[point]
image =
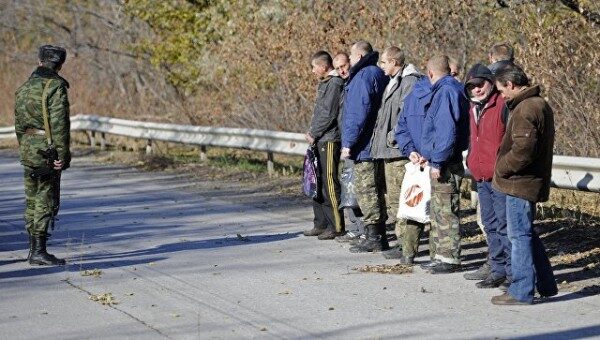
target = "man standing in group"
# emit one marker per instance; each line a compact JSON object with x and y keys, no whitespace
{"x":500,"y":55}
{"x":383,"y":144}
{"x":487,"y":117}
{"x":325,"y":135}
{"x":42,"y":127}
{"x":445,"y":136}
{"x":362,"y":98}
{"x":523,"y":171}
{"x":341,"y":63}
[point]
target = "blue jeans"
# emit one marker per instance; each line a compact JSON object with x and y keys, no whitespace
{"x":529,"y":262}
{"x":493,"y":215}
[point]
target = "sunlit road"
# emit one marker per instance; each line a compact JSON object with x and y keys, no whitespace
{"x":170,"y":255}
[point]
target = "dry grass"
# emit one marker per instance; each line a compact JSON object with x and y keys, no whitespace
{"x":386,"y":269}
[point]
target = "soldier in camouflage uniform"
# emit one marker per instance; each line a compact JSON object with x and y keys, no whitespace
{"x":46,"y":91}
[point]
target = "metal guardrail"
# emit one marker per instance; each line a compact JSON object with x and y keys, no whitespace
{"x":575,"y":173}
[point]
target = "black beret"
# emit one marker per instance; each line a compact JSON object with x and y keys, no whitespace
{"x":52,"y":54}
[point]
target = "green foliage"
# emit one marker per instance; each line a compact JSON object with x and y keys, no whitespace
{"x":183,"y":30}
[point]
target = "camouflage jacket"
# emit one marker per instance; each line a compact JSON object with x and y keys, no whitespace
{"x":28,"y":115}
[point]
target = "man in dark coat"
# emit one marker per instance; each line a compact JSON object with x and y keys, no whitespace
{"x":362,"y":98}
{"x":325,"y":135}
{"x":523,"y":171}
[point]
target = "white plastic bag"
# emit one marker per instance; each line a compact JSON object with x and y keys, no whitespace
{"x":415,"y":194}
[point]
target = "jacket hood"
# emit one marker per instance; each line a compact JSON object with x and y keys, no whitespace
{"x":422,"y":88}
{"x":368,"y":60}
{"x":446,"y":80}
{"x":410,"y":69}
{"x":532,"y":91}
{"x":44,"y":72}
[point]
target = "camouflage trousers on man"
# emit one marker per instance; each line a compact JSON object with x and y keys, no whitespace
{"x":445,"y":206}
{"x":394,"y":175}
{"x":41,"y":203}
{"x":369,"y":185}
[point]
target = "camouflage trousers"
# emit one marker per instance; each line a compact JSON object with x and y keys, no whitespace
{"x":445,"y":206}
{"x":394,"y":174}
{"x":41,"y":203}
{"x":369,"y":184}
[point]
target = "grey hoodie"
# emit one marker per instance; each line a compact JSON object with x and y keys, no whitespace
{"x":383,"y":144}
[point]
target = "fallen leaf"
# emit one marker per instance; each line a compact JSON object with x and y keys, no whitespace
{"x":93,"y":272}
{"x":104,"y":299}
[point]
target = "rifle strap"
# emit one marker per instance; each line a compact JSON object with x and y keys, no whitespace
{"x":45,"y":113}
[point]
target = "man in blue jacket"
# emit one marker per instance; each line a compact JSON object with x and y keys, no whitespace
{"x":408,"y":138}
{"x":445,"y":136}
{"x":362,"y":99}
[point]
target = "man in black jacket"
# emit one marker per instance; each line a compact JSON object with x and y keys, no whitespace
{"x":324,"y":134}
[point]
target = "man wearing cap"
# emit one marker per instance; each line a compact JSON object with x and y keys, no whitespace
{"x":487,"y":116}
{"x":42,"y":128}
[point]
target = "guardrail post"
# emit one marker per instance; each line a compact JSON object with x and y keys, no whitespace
{"x":203,"y":152}
{"x":102,"y":141}
{"x":92,"y":135}
{"x":270,"y":165}
{"x":149,"y":147}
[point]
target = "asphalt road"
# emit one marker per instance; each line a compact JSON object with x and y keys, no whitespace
{"x":169,"y":253}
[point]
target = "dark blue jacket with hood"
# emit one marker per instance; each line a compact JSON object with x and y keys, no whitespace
{"x":362,"y":98}
{"x":446,"y":127}
{"x":412,"y":116}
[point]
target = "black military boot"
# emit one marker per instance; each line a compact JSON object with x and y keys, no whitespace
{"x":31,"y":245}
{"x":374,"y":240}
{"x":39,"y":255}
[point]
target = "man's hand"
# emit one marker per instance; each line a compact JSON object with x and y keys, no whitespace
{"x":309,"y":138}
{"x":414,"y":157}
{"x":435,"y":173}
{"x":58,"y":164}
{"x":345,"y":153}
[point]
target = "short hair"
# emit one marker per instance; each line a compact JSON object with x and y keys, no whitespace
{"x":439,"y":64}
{"x":395,"y":53}
{"x":512,"y":73}
{"x":341,"y":55}
{"x":322,"y":58}
{"x":502,"y":51}
{"x":363,"y":46}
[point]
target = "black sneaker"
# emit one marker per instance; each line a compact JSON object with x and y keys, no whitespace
{"x":490,"y":282}
{"x":444,"y":268}
{"x":349,"y":236}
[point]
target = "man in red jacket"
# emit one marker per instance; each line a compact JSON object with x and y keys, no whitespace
{"x":487,"y":115}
